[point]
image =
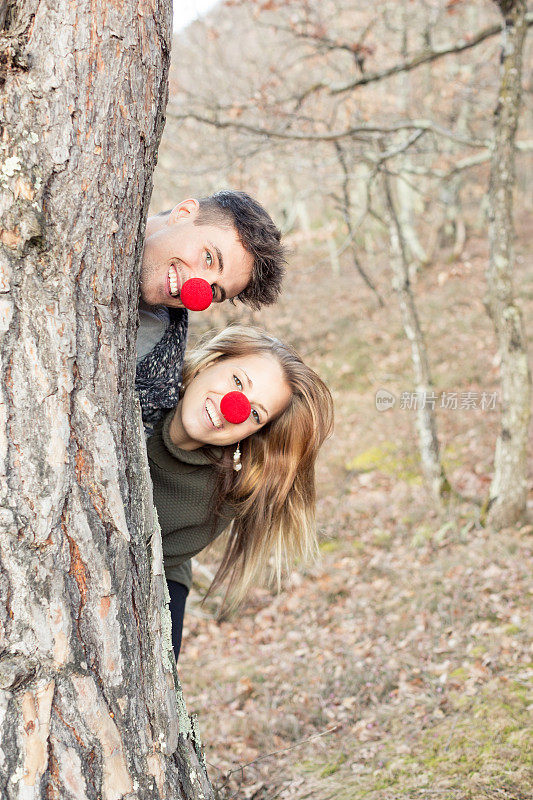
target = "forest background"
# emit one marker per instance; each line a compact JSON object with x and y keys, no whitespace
{"x":400,"y":665}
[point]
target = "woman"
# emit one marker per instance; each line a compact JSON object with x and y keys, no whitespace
{"x":256,"y":475}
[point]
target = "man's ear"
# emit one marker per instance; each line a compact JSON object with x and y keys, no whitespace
{"x":187,"y":209}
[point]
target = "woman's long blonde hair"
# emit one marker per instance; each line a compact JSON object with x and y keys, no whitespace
{"x":273,"y":496}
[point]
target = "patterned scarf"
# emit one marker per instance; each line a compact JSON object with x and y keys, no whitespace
{"x":158,"y":377}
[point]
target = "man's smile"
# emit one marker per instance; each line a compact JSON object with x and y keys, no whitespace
{"x":174,"y":281}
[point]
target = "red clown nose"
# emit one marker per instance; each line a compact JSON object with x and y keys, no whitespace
{"x":196,"y":294}
{"x":235,"y":407}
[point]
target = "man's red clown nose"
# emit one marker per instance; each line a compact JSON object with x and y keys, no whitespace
{"x":235,"y":407}
{"x":196,"y":294}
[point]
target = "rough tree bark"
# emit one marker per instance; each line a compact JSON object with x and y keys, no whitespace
{"x":506,"y":503}
{"x":90,"y":706}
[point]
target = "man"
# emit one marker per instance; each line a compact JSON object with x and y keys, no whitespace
{"x":227,"y":239}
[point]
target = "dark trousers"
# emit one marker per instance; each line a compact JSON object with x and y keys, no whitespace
{"x":178,"y":596}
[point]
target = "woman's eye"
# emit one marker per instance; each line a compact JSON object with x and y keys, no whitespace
{"x":255,"y":415}
{"x":208,"y":258}
{"x":238,"y":383}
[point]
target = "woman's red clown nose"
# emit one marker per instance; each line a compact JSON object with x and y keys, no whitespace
{"x":196,"y":294}
{"x":235,"y":407}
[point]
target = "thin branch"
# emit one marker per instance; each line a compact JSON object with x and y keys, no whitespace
{"x":396,"y":151}
{"x":425,"y":56}
{"x":357,"y":132}
{"x":277,"y":752}
{"x":525,"y":146}
{"x":355,"y":49}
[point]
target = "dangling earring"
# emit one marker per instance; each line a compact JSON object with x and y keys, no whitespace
{"x":237,"y":458}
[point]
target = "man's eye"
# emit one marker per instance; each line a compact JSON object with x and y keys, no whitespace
{"x":255,"y":415}
{"x":208,"y":258}
{"x":238,"y":383}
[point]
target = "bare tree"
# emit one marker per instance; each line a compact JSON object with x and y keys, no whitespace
{"x":508,"y":491}
{"x":426,"y":423}
{"x":90,"y":705}
{"x":318,"y":57}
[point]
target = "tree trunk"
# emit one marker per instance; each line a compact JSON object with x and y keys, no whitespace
{"x":345,"y":208}
{"x":507,"y":499}
{"x":426,"y":423}
{"x":89,"y":698}
{"x":404,"y":191}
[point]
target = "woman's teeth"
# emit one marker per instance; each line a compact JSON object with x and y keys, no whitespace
{"x":213,"y":414}
{"x":173,"y":280}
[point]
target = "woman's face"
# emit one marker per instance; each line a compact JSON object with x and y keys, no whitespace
{"x":198,"y":420}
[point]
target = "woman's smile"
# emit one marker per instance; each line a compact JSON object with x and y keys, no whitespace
{"x":215,"y":419}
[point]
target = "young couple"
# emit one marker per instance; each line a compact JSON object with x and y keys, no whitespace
{"x":213,"y":466}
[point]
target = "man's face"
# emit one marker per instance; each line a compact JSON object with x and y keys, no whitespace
{"x":180,"y":250}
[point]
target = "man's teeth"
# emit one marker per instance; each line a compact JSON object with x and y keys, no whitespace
{"x":173,"y":281}
{"x":213,"y":415}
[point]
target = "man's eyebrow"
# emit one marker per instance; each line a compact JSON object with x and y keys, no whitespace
{"x":219,"y":257}
{"x":251,"y":387}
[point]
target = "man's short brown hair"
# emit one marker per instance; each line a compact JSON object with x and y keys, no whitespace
{"x":258,"y":235}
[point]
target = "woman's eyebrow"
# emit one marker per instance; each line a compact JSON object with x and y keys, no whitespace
{"x":250,"y":383}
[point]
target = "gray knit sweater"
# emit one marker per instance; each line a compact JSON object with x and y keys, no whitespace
{"x":183,"y":482}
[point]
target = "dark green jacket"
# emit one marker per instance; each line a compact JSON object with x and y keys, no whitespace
{"x":183,"y":482}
